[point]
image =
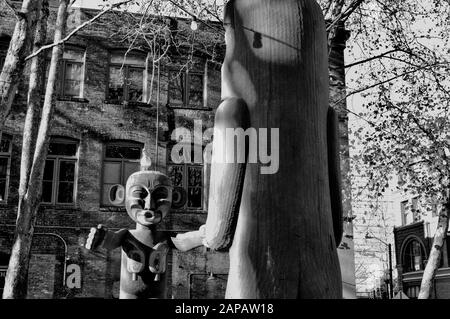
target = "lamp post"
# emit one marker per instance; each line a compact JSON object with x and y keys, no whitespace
{"x":391,"y":284}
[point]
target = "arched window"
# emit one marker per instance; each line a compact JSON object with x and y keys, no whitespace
{"x":121,"y":159}
{"x":413,"y":256}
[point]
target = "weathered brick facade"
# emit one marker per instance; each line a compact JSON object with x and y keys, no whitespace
{"x":61,"y":230}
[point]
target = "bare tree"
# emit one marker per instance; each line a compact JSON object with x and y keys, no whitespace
{"x":18,"y":49}
{"x":17,"y":274}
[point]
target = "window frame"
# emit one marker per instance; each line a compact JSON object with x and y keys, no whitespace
{"x":125,"y":67}
{"x":407,"y":252}
{"x":187,"y":88}
{"x":61,"y":78}
{"x":8,"y":156}
{"x":57,"y":159}
{"x":185,"y":180}
{"x":122,"y":162}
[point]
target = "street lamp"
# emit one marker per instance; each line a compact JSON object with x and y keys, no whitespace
{"x":391,"y":285}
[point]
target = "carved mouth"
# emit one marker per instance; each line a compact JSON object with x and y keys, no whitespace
{"x":149,"y":217}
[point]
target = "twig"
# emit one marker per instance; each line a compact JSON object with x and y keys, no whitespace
{"x":10,"y":6}
{"x":74,"y":31}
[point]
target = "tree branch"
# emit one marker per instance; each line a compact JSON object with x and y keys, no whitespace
{"x":74,"y":31}
{"x":10,"y":6}
{"x":383,"y":82}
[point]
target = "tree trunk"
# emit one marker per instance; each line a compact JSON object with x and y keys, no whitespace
{"x":435,"y":254}
{"x":15,"y":58}
{"x":34,"y":101}
{"x":17,"y":274}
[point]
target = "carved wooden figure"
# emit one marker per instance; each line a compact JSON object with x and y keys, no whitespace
{"x":283,"y":227}
{"x":148,"y":197}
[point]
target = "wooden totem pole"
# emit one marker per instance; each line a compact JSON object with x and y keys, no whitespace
{"x":283,"y":226}
{"x":144,"y":250}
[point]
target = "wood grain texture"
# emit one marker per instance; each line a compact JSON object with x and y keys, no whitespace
{"x":276,"y":61}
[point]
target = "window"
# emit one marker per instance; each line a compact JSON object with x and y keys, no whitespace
{"x":187,"y":181}
{"x":71,"y":81}
{"x":127,"y":77}
{"x":121,"y":159}
{"x":413,"y":256}
{"x":4,"y":260}
{"x":186,"y":89}
{"x":410,"y":211}
{"x":4,"y":44}
{"x":405,"y":212}
{"x":5,"y":162}
{"x":59,"y":180}
{"x":415,"y":209}
{"x":413,"y":292}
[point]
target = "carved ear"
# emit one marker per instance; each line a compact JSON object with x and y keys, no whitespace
{"x":116,"y":194}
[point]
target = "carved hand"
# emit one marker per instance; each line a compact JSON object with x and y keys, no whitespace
{"x":189,"y":240}
{"x":95,"y":237}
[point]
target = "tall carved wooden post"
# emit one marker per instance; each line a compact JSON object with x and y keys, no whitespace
{"x":283,"y":224}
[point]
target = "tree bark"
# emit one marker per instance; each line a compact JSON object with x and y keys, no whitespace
{"x":15,"y":59}
{"x":34,"y":101}
{"x":17,"y":274}
{"x":435,"y":254}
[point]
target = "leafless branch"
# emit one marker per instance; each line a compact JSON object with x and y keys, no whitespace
{"x":74,"y":31}
{"x":10,"y":6}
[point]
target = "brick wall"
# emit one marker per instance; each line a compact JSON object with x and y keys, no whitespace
{"x":93,"y":122}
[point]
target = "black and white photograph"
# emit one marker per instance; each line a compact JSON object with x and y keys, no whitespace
{"x":225,"y":154}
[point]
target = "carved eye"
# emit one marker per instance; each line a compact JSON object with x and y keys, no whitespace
{"x":160,"y":194}
{"x":139,"y":192}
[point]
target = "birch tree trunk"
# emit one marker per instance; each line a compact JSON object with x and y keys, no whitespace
{"x":435,"y":254}
{"x":17,"y":274}
{"x":15,"y":59}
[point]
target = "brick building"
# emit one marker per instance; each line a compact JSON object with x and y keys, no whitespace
{"x":110,"y":106}
{"x":416,"y":225}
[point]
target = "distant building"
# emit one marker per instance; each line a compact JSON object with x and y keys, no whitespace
{"x":414,"y":232}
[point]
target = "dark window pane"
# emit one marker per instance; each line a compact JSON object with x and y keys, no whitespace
{"x":47,"y":191}
{"x":48,"y":170}
{"x":128,"y":169}
{"x":116,"y":83}
{"x":195,"y":176}
{"x":195,"y":197}
{"x":5,"y":143}
{"x":135,"y":84}
{"x":177,"y":87}
{"x":195,"y":90}
{"x":119,"y":151}
{"x":3,"y":167}
{"x":73,"y":79}
{"x":2,"y":189}
{"x":65,"y":192}
{"x":175,"y":173}
{"x":68,"y":149}
{"x":66,"y":171}
{"x":112,"y":172}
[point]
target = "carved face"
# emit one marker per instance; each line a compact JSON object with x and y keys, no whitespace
{"x":148,"y":197}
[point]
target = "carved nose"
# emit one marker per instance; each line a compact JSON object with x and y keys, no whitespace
{"x":148,"y":202}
